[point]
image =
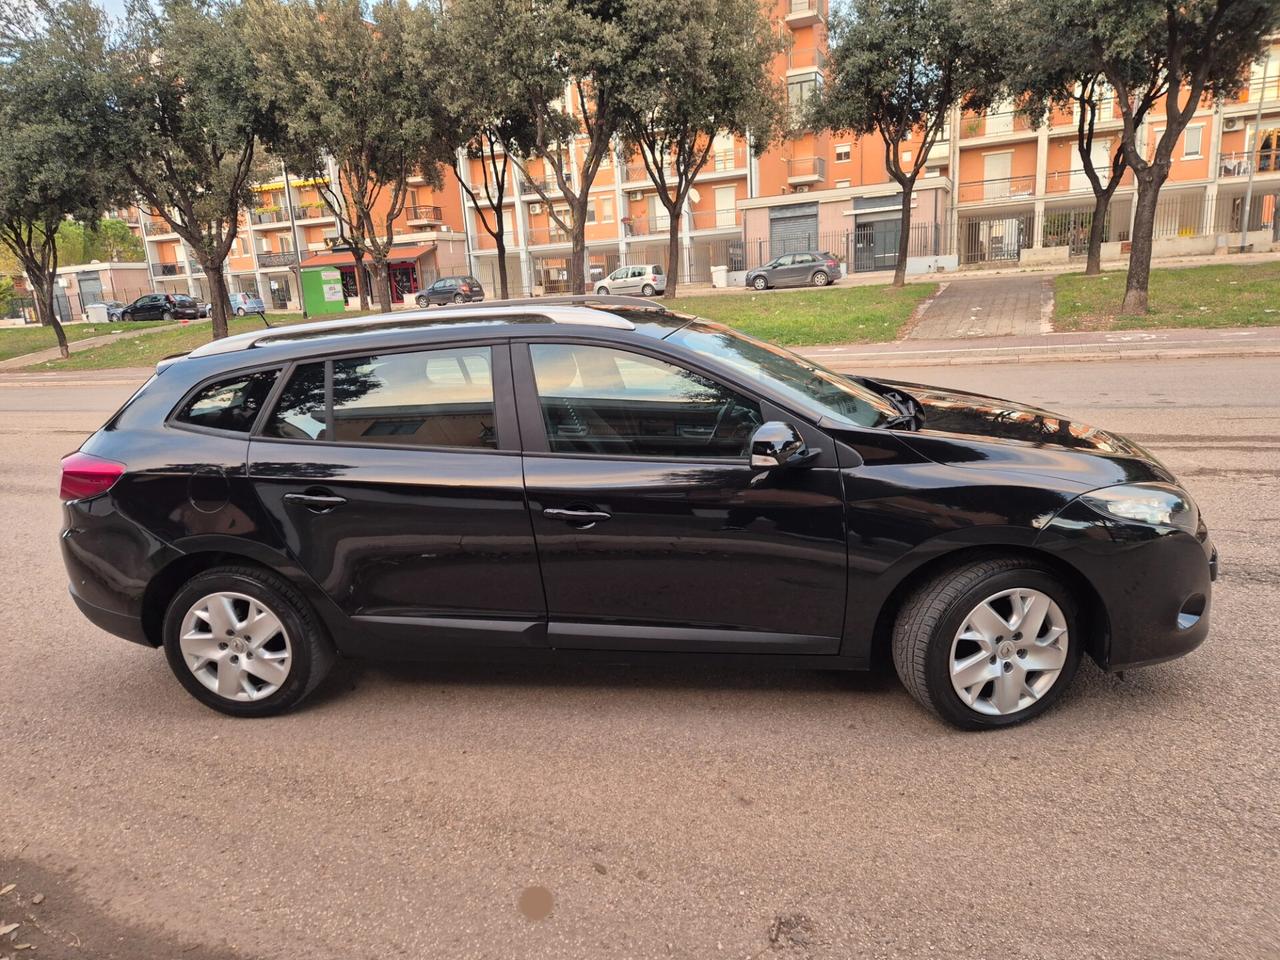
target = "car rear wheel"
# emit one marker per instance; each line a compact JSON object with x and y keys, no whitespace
{"x":243,"y":641}
{"x":820,"y":278}
{"x":988,"y":644}
{"x":760,"y":283}
{"x":648,"y":290}
{"x":459,"y":298}
{"x":168,"y":316}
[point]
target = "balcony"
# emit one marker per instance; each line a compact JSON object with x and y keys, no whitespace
{"x":806,"y":58}
{"x":1240,"y":164}
{"x":168,"y":269}
{"x":995,"y":124}
{"x":997,"y":188}
{"x":730,"y":219}
{"x":639,"y":173}
{"x":805,"y":13}
{"x":425,"y":213}
{"x":806,"y":170}
{"x":269,"y":215}
{"x":312,"y":211}
{"x":155,"y":228}
{"x":547,"y":235}
{"x":279,"y":258}
{"x":529,"y":186}
{"x":655,"y":226}
{"x":726,"y":161}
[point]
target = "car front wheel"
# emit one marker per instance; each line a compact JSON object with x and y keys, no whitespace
{"x":422,"y":301}
{"x":988,"y":644}
{"x":760,"y":283}
{"x":240,"y":311}
{"x":245,"y":642}
{"x":602,"y":291}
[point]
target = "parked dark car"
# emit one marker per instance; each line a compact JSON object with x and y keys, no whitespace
{"x":605,"y":478}
{"x":795,"y":270}
{"x":162,"y":306}
{"x":114,"y":310}
{"x":451,"y":290}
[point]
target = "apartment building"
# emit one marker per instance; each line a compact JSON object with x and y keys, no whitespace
{"x":994,"y":190}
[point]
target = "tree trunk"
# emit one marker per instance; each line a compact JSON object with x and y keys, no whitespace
{"x":46,"y":306}
{"x":578,"y":256}
{"x":362,"y":286}
{"x":504,"y":291}
{"x":673,"y":253}
{"x":1097,"y":229}
{"x":1144,"y":220}
{"x":904,"y":238}
{"x":220,"y":299}
{"x":382,"y":283}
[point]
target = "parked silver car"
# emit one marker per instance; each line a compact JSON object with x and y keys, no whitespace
{"x":816,"y":269}
{"x":645,"y":279}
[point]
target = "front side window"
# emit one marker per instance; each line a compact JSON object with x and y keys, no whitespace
{"x":430,"y":398}
{"x":605,"y":401}
{"x":230,"y":404}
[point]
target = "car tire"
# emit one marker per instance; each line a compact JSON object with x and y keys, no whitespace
{"x":648,"y":290}
{"x":422,"y":301}
{"x":459,"y":298}
{"x":759,"y":283}
{"x":602,"y":291}
{"x":126,"y":317}
{"x":820,"y":278}
{"x":308,"y":651}
{"x":167,"y":316}
{"x":937,"y":646}
{"x":240,"y":311}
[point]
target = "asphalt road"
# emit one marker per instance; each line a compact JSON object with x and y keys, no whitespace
{"x":451,"y":811}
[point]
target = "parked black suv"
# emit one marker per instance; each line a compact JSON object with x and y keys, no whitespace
{"x":162,"y":306}
{"x":593,"y":476}
{"x":451,"y":290}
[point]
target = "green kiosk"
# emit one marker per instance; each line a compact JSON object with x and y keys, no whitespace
{"x":322,"y":291}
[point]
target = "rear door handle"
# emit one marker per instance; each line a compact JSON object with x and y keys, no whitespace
{"x":318,"y":502}
{"x":583,"y":519}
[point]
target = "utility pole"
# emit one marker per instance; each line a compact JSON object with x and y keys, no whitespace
{"x":1253,"y":162}
{"x":297,"y":247}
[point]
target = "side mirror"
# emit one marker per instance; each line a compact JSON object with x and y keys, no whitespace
{"x":777,"y":444}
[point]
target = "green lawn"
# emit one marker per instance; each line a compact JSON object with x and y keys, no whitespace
{"x":831,"y":315}
{"x":809,"y":317}
{"x":16,"y":341}
{"x":1221,"y":295}
{"x":145,"y":350}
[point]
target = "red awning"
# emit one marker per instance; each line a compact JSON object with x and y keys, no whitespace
{"x":345,"y":259}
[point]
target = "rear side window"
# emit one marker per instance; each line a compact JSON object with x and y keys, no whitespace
{"x":429,"y":398}
{"x":300,"y":412}
{"x":657,"y":270}
{"x":232,"y":404}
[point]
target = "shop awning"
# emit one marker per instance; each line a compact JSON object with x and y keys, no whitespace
{"x":345,"y":259}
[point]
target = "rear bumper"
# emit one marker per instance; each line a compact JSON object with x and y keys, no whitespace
{"x":112,"y":621}
{"x":1155,"y":584}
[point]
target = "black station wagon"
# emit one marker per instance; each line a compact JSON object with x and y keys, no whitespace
{"x":604,"y":477}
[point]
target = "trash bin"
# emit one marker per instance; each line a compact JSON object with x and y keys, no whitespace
{"x":96,"y":312}
{"x":719,"y":276}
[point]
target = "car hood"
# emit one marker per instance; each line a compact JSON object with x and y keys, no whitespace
{"x":969,"y":429}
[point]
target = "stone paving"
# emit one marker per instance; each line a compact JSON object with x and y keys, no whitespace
{"x":1008,"y":306}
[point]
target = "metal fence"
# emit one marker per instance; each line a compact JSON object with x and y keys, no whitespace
{"x":994,"y":239}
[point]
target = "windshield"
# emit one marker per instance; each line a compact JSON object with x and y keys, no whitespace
{"x":810,"y":386}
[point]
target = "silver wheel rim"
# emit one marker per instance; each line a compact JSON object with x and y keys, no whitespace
{"x":1009,"y":651}
{"x":236,"y":646}
{"x":759,"y":283}
{"x":820,"y":279}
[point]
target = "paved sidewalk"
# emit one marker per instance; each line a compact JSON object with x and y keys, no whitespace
{"x":1083,"y":345}
{"x":52,"y":353}
{"x":1009,"y":306}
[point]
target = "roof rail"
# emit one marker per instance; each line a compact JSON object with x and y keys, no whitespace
{"x":553,"y":309}
{"x":584,"y":300}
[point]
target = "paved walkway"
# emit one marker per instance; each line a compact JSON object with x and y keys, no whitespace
{"x":75,"y":346}
{"x":1009,"y":306}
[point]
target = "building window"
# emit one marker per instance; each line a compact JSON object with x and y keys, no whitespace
{"x":844,"y":152}
{"x":605,"y":212}
{"x":800,"y":89}
{"x":1192,"y":141}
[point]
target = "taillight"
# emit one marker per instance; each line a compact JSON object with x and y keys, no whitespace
{"x":84,"y":475}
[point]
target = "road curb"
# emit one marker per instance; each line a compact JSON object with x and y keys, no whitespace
{"x":1037,"y":355}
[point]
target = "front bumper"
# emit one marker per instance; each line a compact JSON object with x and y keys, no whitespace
{"x":1154,"y":584}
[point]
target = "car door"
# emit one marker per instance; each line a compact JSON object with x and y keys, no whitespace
{"x":148,"y":307}
{"x":802,"y":265}
{"x":779,"y":272}
{"x":395,"y":481}
{"x":653,"y":531}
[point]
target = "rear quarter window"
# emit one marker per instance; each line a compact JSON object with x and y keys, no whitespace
{"x":232,"y":404}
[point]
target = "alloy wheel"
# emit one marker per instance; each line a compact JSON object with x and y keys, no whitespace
{"x":235,"y":646}
{"x":1009,"y":651}
{"x":760,"y":283}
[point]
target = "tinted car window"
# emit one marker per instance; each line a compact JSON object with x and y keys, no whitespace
{"x":601,"y":400}
{"x":300,"y":413}
{"x":231,"y":404}
{"x":426,"y":398}
{"x":657,"y":270}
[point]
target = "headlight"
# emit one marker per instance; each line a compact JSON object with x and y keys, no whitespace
{"x":1159,"y":504}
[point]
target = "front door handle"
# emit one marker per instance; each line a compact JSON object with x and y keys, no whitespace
{"x":582,"y":519}
{"x":316,"y":502}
